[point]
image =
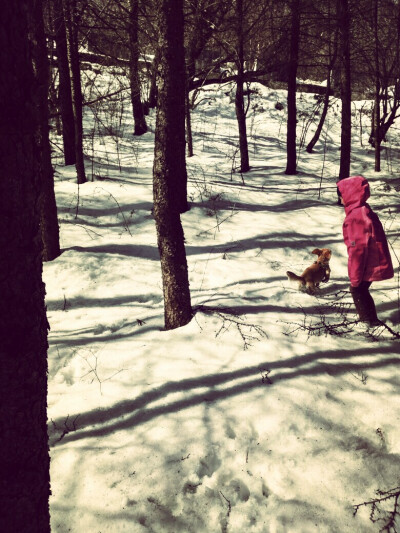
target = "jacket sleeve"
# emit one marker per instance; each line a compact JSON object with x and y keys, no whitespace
{"x":357,"y":232}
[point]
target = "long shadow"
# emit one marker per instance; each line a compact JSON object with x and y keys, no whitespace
{"x":82,"y":301}
{"x":72,"y":339}
{"x":270,"y":241}
{"x":295,"y":205}
{"x":129,"y":250}
{"x":264,"y":242}
{"x":107,"y":211}
{"x":130,"y":413}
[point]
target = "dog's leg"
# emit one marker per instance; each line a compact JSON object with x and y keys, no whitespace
{"x":310,"y":287}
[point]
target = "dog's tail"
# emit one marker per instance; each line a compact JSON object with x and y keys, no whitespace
{"x":294,"y":277}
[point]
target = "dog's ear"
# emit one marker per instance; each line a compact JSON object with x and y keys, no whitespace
{"x":317,"y":251}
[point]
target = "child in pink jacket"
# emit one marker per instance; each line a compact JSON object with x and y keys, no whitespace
{"x":368,"y":252}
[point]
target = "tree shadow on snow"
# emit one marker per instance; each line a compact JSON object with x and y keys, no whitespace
{"x":128,"y":414}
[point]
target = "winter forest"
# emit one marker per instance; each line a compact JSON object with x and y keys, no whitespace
{"x":164,"y":164}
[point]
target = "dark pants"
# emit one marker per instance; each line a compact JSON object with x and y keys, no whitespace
{"x":364,"y":303}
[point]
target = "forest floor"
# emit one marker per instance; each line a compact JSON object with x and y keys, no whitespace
{"x":272,"y":411}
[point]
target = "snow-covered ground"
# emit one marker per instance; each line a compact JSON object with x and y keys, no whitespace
{"x":244,"y":420}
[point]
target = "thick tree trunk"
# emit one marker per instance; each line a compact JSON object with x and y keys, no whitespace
{"x":345,"y":87}
{"x":64,"y":84}
{"x":71,"y":28}
{"x":24,"y":456}
{"x":48,"y":209}
{"x":291,"y":164}
{"x":239,"y":96}
{"x":168,"y":155}
{"x":137,"y":106}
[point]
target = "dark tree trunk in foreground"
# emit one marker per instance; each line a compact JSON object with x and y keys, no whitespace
{"x":239,"y":97}
{"x":64,"y":84}
{"x":168,"y":154}
{"x":71,"y":28}
{"x":345,"y":87}
{"x":137,"y":106}
{"x":291,"y":164}
{"x":48,"y":208}
{"x":24,"y":456}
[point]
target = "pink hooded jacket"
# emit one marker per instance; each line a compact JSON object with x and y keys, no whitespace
{"x":367,"y":247}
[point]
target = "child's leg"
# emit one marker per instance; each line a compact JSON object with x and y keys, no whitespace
{"x":364,"y":302}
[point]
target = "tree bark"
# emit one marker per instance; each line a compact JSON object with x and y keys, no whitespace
{"x":167,"y":171}
{"x":137,"y":106}
{"x":345,"y":87}
{"x":64,"y":84}
{"x":24,"y":455}
{"x":291,"y":164}
{"x":71,"y":28}
{"x":48,"y":209}
{"x":239,"y":96}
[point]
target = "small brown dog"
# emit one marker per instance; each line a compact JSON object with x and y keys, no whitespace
{"x":316,"y":273}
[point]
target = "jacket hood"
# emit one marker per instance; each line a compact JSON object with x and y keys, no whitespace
{"x":354,"y":191}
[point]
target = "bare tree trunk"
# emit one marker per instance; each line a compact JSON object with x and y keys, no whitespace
{"x":137,"y":106}
{"x":71,"y":27}
{"x":239,"y":97}
{"x":332,"y":60}
{"x":153,"y":81}
{"x":190,"y":75}
{"x":168,"y":154}
{"x":321,"y":122}
{"x":189,"y":136}
{"x":377,"y":103}
{"x":291,"y":164}
{"x":345,"y":87}
{"x":48,"y":209}
{"x":24,"y":455}
{"x":64,"y":84}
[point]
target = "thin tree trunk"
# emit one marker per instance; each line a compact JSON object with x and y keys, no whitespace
{"x":321,"y":123}
{"x":64,"y":84}
{"x":190,"y":75}
{"x":24,"y":455}
{"x":153,"y":81}
{"x":169,"y":148}
{"x":48,"y":209}
{"x":325,"y":108}
{"x":345,"y":87}
{"x":189,"y":136}
{"x":377,"y":103}
{"x":70,"y":20}
{"x":239,"y":97}
{"x":291,"y":164}
{"x":137,"y":106}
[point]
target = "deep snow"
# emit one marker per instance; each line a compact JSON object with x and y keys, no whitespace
{"x":240,"y":421}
